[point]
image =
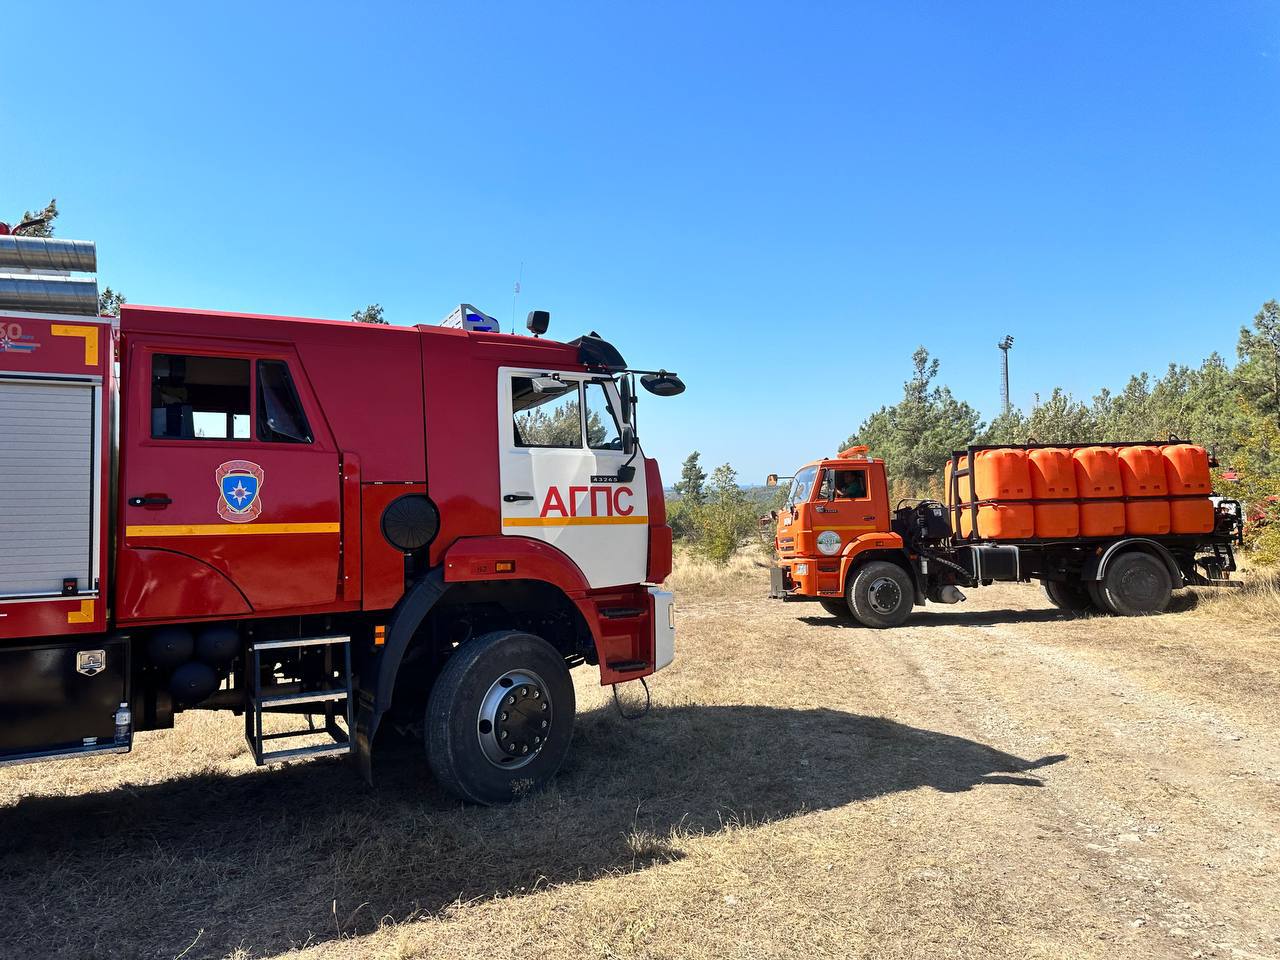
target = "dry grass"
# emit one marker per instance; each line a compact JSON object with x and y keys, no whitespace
{"x":992,"y":779}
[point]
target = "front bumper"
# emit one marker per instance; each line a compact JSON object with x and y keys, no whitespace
{"x":805,"y":578}
{"x":662,"y":612}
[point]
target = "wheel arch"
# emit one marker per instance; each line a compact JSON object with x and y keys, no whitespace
{"x":1097,"y":569}
{"x":854,"y":560}
{"x":468,"y":573}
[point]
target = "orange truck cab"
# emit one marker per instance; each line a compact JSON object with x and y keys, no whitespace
{"x":836,"y":518}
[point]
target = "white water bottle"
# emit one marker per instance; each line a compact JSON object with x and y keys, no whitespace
{"x":124,"y":721}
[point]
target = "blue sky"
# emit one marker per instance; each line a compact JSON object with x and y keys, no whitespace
{"x":780,"y":202}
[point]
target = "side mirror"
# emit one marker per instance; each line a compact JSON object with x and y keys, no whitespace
{"x":628,"y":439}
{"x":550,"y":385}
{"x":662,"y":384}
{"x":771,"y":480}
{"x":628,"y":401}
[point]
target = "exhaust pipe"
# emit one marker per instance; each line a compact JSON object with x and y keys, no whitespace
{"x":39,"y":294}
{"x":43,"y":254}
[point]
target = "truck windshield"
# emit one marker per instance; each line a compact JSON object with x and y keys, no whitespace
{"x":801,"y":484}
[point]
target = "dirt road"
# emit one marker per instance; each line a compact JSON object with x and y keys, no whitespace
{"x":990,"y":780}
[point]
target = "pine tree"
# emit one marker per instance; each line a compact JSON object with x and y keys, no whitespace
{"x":692,"y":477}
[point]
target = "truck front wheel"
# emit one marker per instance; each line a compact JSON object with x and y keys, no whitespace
{"x":880,"y":594}
{"x":1136,"y":585}
{"x":500,"y":717}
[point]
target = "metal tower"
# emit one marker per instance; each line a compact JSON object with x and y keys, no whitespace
{"x":1005,"y":346}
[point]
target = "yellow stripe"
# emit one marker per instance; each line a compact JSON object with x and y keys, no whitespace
{"x":83,"y":615}
{"x":228,"y":529}
{"x":90,"y":335}
{"x":568,"y":521}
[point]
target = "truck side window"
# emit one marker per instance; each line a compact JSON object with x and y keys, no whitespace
{"x":850,"y":484}
{"x":551,"y":417}
{"x":602,"y":426}
{"x":199,"y":398}
{"x":280,"y":415}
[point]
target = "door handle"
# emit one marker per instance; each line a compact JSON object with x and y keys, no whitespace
{"x":517,"y":497}
{"x":150,"y":500}
{"x":871,"y":516}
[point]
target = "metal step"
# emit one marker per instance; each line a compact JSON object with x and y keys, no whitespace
{"x":333,"y":703}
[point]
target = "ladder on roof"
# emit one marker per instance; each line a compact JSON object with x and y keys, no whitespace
{"x":327,"y":692}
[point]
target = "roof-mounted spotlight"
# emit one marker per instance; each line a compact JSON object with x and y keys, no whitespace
{"x":538,"y":321}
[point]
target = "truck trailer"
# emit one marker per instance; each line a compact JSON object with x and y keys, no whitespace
{"x":332,"y":528}
{"x":1110,"y":528}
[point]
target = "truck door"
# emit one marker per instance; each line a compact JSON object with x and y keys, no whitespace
{"x":560,"y":450}
{"x":228,"y":479}
{"x":845,"y":506}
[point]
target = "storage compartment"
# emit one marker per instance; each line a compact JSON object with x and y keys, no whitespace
{"x":62,"y":698}
{"x":49,"y":486}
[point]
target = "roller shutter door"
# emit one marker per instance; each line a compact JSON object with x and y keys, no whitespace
{"x":46,"y":486}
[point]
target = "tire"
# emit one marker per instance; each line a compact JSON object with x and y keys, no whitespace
{"x":880,"y":594}
{"x":1093,"y":589}
{"x":470,"y":730}
{"x":1071,"y":597}
{"x":1137,"y":585}
{"x":837,"y":608}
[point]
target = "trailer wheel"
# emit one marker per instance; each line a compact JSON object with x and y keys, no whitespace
{"x":1136,"y":585}
{"x":500,"y":717}
{"x":1071,"y":597}
{"x":880,"y":594}
{"x":837,"y":608}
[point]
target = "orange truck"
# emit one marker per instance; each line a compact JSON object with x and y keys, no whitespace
{"x":1113,"y":527}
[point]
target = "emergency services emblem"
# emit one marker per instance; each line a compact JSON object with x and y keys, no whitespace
{"x":239,"y":484}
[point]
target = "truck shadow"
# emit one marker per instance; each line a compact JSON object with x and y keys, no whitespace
{"x":935,"y":617}
{"x":266,"y":860}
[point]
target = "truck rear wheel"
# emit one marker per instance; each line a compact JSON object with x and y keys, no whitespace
{"x":1073,"y":597}
{"x":837,"y":608}
{"x":1136,"y":585}
{"x":500,"y":717}
{"x":880,"y":594}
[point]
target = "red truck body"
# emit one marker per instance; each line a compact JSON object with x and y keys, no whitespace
{"x":282,"y":478}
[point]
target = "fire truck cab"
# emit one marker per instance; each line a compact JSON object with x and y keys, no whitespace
{"x":420,"y":528}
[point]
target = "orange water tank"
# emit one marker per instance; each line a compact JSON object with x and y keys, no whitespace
{"x":1002,"y":474}
{"x":1142,"y":471}
{"x":1143,"y":477}
{"x":1056,"y":521}
{"x":1000,"y":521}
{"x":1098,"y":479}
{"x":1053,"y":474}
{"x":1186,"y":468}
{"x":1053,"y":477}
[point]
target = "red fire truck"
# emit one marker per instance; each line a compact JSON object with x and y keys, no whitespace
{"x":420,"y":528}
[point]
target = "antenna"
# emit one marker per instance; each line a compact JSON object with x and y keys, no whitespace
{"x":515,"y":293}
{"x":1005,"y":346}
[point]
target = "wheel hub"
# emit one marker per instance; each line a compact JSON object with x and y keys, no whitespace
{"x":514,"y":719}
{"x":1139,"y":585}
{"x":883,"y":595}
